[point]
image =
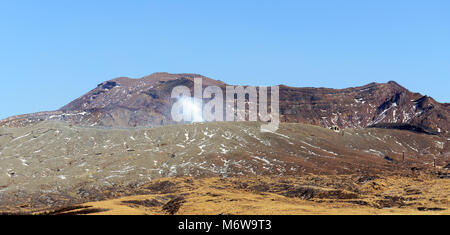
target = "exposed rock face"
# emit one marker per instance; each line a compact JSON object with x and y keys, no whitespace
{"x":362,"y":107}
{"x":125,"y":102}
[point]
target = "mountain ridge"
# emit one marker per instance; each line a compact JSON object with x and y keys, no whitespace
{"x":129,"y":102}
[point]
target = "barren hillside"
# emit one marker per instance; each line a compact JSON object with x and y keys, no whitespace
{"x":52,"y":164}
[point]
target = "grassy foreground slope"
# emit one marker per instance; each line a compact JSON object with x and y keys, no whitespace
{"x":314,"y":195}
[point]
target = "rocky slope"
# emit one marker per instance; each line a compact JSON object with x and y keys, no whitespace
{"x":52,"y":163}
{"x":125,"y":102}
{"x":364,"y":106}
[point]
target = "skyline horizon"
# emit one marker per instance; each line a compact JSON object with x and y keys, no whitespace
{"x":53,"y":51}
{"x":193,"y":73}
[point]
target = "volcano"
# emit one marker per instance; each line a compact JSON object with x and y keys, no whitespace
{"x":146,"y":102}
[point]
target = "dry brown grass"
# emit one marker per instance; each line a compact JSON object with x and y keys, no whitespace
{"x":306,"y":195}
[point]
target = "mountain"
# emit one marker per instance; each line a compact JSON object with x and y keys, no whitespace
{"x":85,"y":152}
{"x":126,"y":102}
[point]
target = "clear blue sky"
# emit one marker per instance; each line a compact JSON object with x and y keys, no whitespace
{"x":52,"y":52}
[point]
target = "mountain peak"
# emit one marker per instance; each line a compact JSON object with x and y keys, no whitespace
{"x":146,"y":101}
